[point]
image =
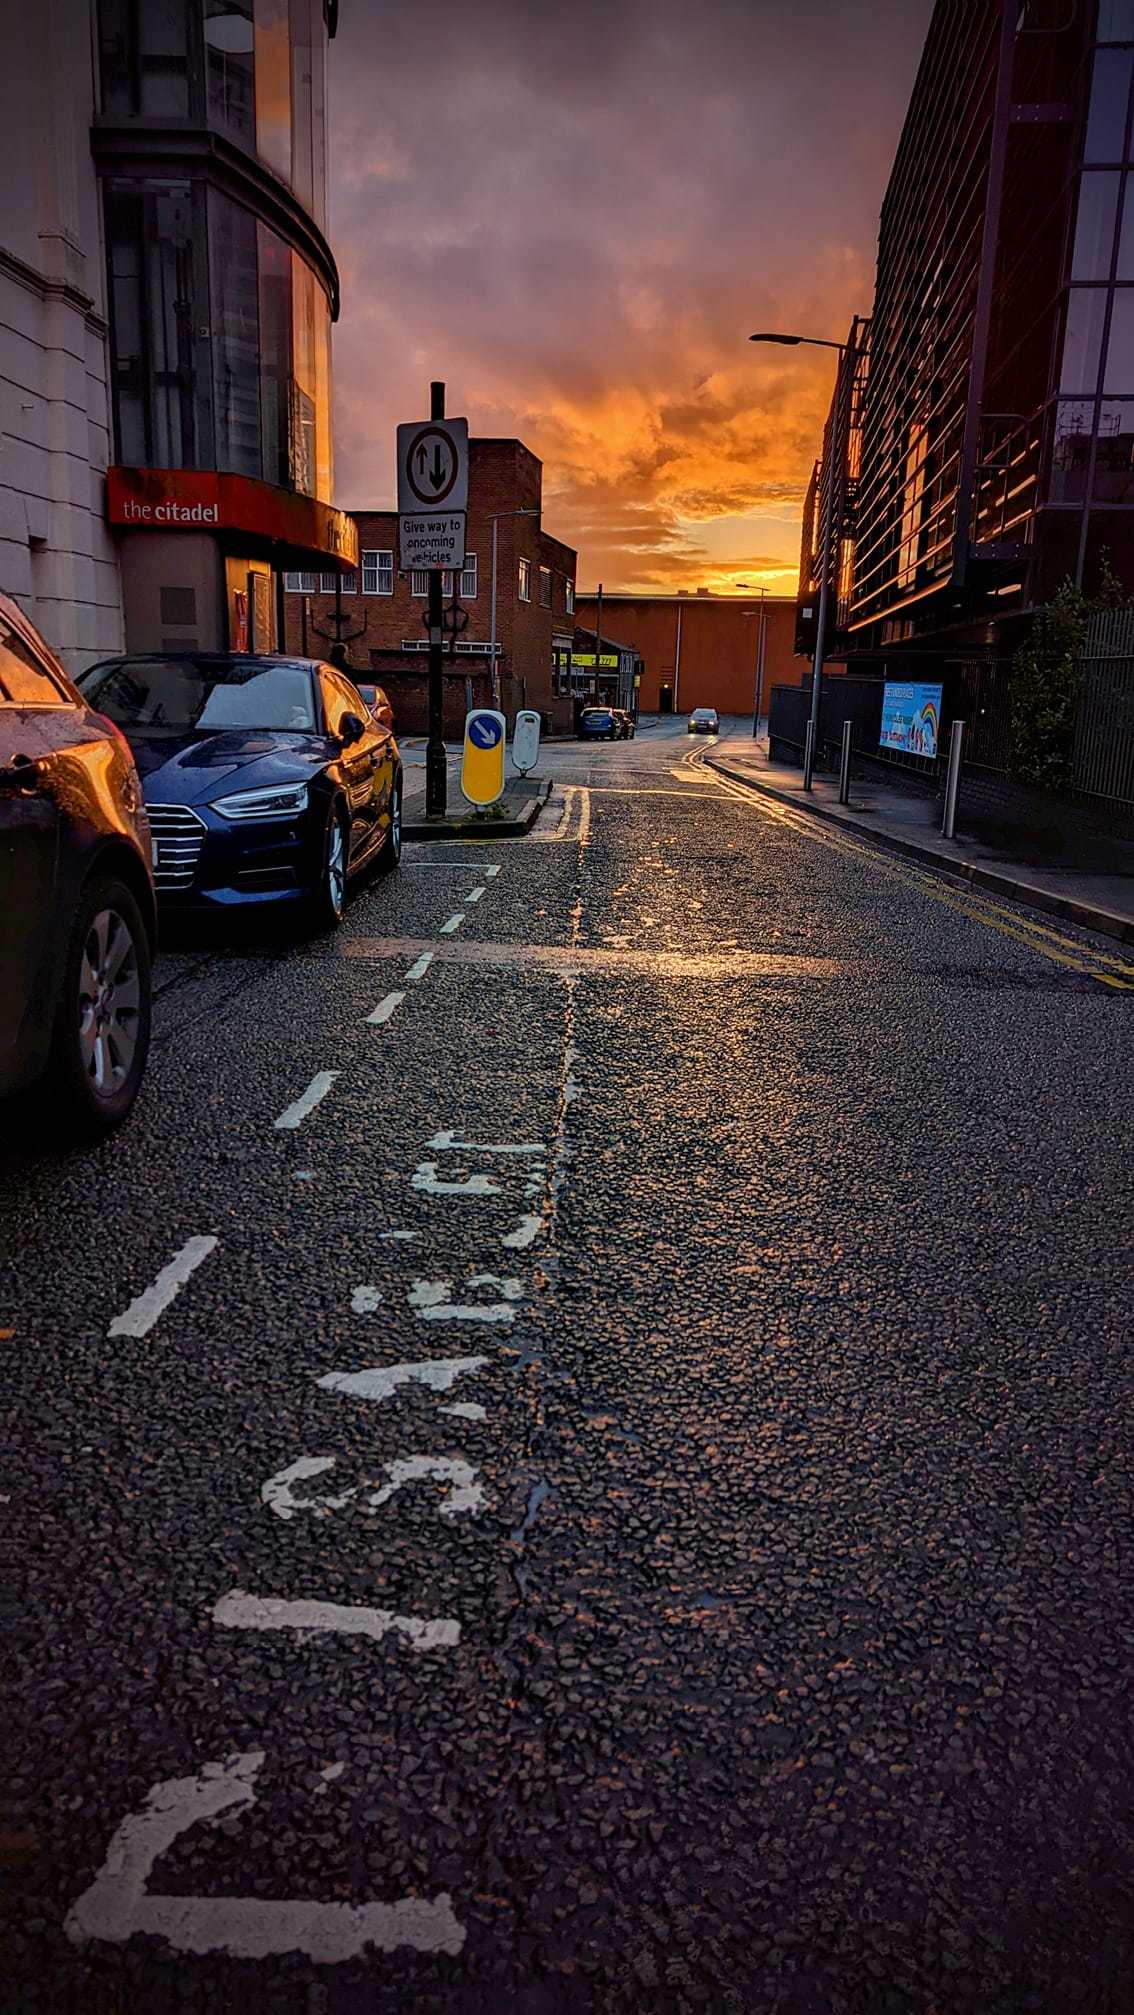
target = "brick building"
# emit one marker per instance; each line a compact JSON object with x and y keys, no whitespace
{"x":379,"y":612}
{"x":701,"y":650}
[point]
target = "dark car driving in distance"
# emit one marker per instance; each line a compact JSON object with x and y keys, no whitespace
{"x":76,"y":894}
{"x":268,"y":780}
{"x":598,"y":724}
{"x":704,"y":721}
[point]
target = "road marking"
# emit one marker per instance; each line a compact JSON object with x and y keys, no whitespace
{"x":446,"y":1139}
{"x":474,"y":895}
{"x":281,"y":1499}
{"x":143,"y":1312}
{"x":452,"y":923}
{"x":491,"y":873}
{"x":584,"y":816}
{"x":465,"y":1494}
{"x":401,"y":1235}
{"x":425,"y":1177}
{"x":117,"y":1905}
{"x":381,"y":1381}
{"x":432,"y":1300}
{"x":238,"y":1611}
{"x":526,"y":1232}
{"x":385,"y":1009}
{"x":420,"y":966}
{"x":465,"y":1409}
{"x":364,"y":1300}
{"x":294,"y":1115}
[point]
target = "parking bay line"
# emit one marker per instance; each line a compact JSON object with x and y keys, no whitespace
{"x":474,"y":895}
{"x":384,"y":1010}
{"x":452,"y":923}
{"x":420,"y":967}
{"x":144,"y":1311}
{"x":294,"y":1115}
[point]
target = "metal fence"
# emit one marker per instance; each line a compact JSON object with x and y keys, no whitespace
{"x":1102,"y":762}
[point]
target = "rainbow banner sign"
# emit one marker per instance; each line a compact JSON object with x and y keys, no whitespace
{"x":911,"y":719}
{"x":482,"y":766}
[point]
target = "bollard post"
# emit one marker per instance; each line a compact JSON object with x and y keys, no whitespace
{"x":809,"y":755}
{"x":953,"y":779}
{"x":844,"y":765}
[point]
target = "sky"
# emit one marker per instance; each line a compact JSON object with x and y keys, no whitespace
{"x":575,"y":215}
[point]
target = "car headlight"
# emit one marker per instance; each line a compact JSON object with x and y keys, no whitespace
{"x":275,"y":801}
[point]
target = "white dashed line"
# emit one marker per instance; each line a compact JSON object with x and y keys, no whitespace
{"x":385,"y":1009}
{"x":420,"y":966}
{"x":474,"y":895}
{"x":142,"y":1313}
{"x":239,"y":1611}
{"x":380,"y":1381}
{"x":491,"y":873}
{"x":452,"y":923}
{"x":295,"y":1115}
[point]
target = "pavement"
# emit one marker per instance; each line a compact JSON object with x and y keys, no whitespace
{"x":895,"y":819}
{"x":574,"y":1454}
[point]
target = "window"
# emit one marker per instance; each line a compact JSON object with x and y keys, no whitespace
{"x":301,"y":584}
{"x":545,"y":587}
{"x":447,"y":585}
{"x":327,"y":583}
{"x":1086,"y":308}
{"x":377,"y":573}
{"x":157,"y":292}
{"x":525,"y":581}
{"x":1116,"y":21}
{"x":569,"y":589}
{"x":1114,"y":459}
{"x":1119,"y":374}
{"x":1110,"y":89}
{"x":419,"y":581}
{"x":1071,"y":450}
{"x":340,"y":698}
{"x":144,"y":58}
{"x":468,"y":578}
{"x":1094,"y":229}
{"x":24,"y":682}
{"x":229,"y":50}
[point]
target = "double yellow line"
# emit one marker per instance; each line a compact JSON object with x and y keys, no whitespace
{"x":1109,"y":970}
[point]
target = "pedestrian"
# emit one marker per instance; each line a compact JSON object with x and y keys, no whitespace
{"x":337,"y":656}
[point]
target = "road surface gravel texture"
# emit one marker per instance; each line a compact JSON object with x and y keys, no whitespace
{"x":598,"y":1483}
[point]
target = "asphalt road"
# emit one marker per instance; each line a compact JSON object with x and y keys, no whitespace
{"x":574,"y":1454}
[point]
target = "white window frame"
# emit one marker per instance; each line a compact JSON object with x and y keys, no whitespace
{"x":545,"y":574}
{"x":327,"y":583}
{"x":468,"y":575}
{"x":524,"y":581}
{"x":419,"y":582}
{"x":301,"y":583}
{"x":378,"y":566}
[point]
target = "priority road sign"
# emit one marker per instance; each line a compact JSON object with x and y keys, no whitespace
{"x":433,"y":466}
{"x":482,"y":766}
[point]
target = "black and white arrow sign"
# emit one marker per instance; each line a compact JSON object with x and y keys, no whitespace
{"x":433,"y":466}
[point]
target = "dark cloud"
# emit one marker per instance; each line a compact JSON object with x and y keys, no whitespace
{"x":575,"y":216}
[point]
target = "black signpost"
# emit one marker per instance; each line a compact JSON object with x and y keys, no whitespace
{"x":436,"y":768}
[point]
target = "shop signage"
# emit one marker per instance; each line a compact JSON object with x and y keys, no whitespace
{"x":911,"y":719}
{"x":433,"y":492}
{"x":588,"y":658}
{"x":195,"y":500}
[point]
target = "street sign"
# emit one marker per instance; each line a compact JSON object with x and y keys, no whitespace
{"x":433,"y":492}
{"x":525,"y":740}
{"x":482,"y":766}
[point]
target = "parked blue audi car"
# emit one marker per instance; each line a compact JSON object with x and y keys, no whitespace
{"x":268,"y":780}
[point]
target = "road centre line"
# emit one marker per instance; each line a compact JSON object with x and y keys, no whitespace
{"x":294,"y":1115}
{"x":239,"y":1611}
{"x":385,"y":1009}
{"x":143,"y":1312}
{"x":452,"y":923}
{"x":1036,"y":937}
{"x":474,"y":895}
{"x":420,"y":967}
{"x":491,"y":873}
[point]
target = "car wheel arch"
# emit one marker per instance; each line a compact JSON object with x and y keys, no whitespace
{"x":116,"y":858}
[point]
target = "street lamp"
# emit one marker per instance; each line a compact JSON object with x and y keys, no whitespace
{"x":760,"y":635}
{"x":825,"y":538}
{"x":532,"y":511}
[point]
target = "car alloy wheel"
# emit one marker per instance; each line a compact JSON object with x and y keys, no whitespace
{"x":109,"y":998}
{"x":334,"y":869}
{"x":391,"y":852}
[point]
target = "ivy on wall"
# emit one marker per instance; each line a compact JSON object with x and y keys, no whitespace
{"x":1047,"y":681}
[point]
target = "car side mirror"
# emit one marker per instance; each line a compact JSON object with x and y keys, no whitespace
{"x":382,"y":710}
{"x":351,"y":729}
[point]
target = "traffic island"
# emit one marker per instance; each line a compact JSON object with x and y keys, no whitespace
{"x":513,"y":815}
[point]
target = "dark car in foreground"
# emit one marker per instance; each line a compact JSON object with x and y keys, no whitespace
{"x":269,"y":781}
{"x":598,"y":724}
{"x":704,"y":721}
{"x":76,"y":893}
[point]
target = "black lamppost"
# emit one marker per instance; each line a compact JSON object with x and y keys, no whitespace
{"x":826,"y":531}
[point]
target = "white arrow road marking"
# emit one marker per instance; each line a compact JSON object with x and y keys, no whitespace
{"x":365,"y":1300}
{"x":466,"y":1493}
{"x":385,"y":1009}
{"x":432,"y":1300}
{"x":145,"y":1310}
{"x":381,"y":1381}
{"x":117,"y":1905}
{"x":425,"y":1177}
{"x":238,"y":1611}
{"x":279,"y":1496}
{"x":294,"y":1115}
{"x":526,"y":1232}
{"x":420,"y":967}
{"x":452,"y":923}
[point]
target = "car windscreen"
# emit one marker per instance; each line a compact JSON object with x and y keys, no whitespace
{"x":175,"y":694}
{"x":597,"y":714}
